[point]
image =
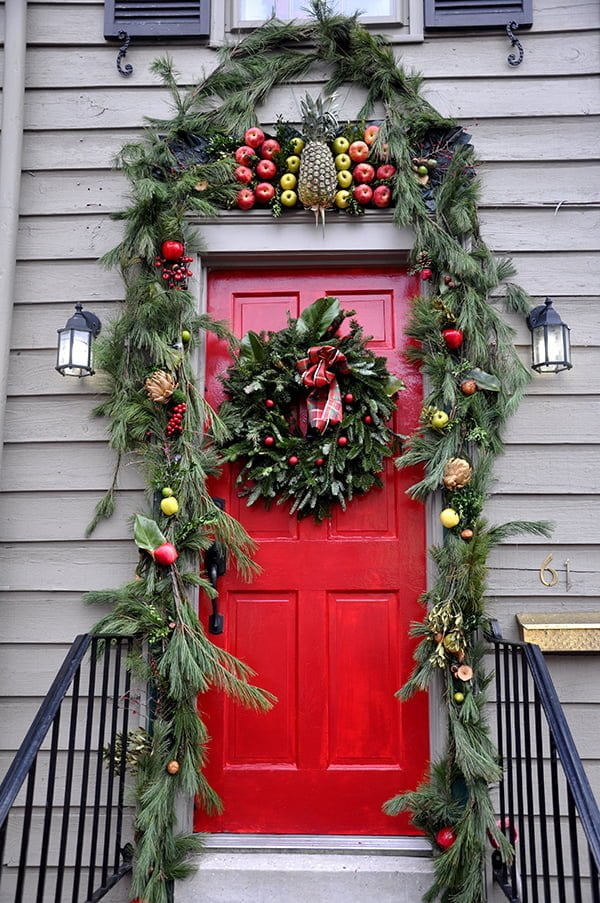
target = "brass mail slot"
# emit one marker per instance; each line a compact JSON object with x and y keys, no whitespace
{"x":573,"y":631}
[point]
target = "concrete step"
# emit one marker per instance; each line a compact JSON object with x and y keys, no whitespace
{"x":301,"y":868}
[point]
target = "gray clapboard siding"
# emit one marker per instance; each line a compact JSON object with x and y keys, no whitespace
{"x":28,"y":519}
{"x":82,"y":23}
{"x":513,"y":228}
{"x":69,"y":566}
{"x":581,"y":313}
{"x":64,"y":280}
{"x":514,"y":185}
{"x":44,"y":238}
{"x":57,"y":617}
{"x":567,"y":53}
{"x":518,"y":469}
{"x":61,"y":516}
{"x":539,"y":139}
{"x":545,"y":420}
{"x":116,"y":108}
{"x":32,"y":373}
{"x":41,"y":468}
{"x":566,"y":273}
{"x":34,"y":325}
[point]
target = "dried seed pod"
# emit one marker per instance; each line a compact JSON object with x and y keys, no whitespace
{"x":457,"y":473}
{"x":466,"y":534}
{"x":173,"y":767}
{"x":160,"y":386}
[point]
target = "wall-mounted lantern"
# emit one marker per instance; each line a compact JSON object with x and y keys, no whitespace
{"x":74,"y":357}
{"x":550,"y":340}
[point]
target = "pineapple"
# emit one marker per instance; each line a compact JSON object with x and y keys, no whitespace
{"x":317,"y":177}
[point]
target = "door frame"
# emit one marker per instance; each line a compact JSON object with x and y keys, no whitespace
{"x":231,"y":241}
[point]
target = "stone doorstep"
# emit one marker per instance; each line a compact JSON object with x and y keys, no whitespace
{"x":294,"y":869}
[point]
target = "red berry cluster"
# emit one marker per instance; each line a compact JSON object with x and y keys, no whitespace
{"x":175,"y":272}
{"x":175,"y":424}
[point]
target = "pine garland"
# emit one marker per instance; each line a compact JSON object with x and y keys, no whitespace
{"x":184,"y":166}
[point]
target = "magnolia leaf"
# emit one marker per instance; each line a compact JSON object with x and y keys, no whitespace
{"x":484,"y":380}
{"x":146,"y":533}
{"x":252,"y":347}
{"x":395,"y":384}
{"x":318,"y":317}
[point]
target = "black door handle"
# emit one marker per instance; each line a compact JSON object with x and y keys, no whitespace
{"x":215,"y":562}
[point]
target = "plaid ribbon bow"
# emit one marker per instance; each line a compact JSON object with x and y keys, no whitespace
{"x":324,"y":402}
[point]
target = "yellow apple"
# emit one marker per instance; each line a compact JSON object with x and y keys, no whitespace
{"x":449,"y":518}
{"x":344,"y":178}
{"x":293,"y":163}
{"x":297,"y":145}
{"x":169,"y":506}
{"x":343,"y":161}
{"x":342,"y":199}
{"x":288,"y":181}
{"x":288,"y":198}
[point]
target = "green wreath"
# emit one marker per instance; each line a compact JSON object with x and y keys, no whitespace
{"x":349,"y":396}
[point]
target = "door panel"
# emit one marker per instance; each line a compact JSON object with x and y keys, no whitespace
{"x":325,"y":624}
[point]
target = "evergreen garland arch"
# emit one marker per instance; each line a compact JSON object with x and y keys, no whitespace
{"x":155,"y":334}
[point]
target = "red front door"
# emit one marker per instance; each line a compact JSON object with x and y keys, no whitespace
{"x":325,"y":625}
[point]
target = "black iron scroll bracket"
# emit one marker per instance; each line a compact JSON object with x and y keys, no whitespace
{"x":215,"y":562}
{"x":127,"y":69}
{"x":513,"y":59}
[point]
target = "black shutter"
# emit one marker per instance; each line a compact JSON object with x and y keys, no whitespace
{"x":153,"y":19}
{"x":477,"y":13}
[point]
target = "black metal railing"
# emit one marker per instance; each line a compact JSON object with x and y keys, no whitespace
{"x":62,"y":804}
{"x":546,"y":805}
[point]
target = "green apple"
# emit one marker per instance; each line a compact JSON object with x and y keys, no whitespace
{"x":186,"y":335}
{"x":341,"y":145}
{"x":166,"y":492}
{"x":439,"y":419}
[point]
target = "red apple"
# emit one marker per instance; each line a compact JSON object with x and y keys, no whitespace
{"x":362,"y":194}
{"x":245,"y":199}
{"x":243,"y":174}
{"x":266,"y":169}
{"x":382,"y":196}
{"x":370,"y":134}
{"x":453,"y":338}
{"x":359,"y":151}
{"x":244,"y":155}
{"x":165,"y":554}
{"x":172,"y":250}
{"x":264,"y":192}
{"x":269,"y":148}
{"x":386,"y":171}
{"x":254,"y":136}
{"x":445,"y":838}
{"x":363,"y":172}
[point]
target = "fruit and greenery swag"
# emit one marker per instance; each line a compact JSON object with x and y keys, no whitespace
{"x":307,"y":412}
{"x":156,"y":412}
